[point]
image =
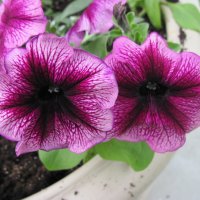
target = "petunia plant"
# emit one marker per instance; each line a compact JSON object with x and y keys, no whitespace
{"x":96,"y":78}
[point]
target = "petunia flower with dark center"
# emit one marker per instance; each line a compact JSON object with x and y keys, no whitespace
{"x":159,"y":93}
{"x":54,"y":96}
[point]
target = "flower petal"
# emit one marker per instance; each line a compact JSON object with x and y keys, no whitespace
{"x":128,"y":61}
{"x":162,"y":61}
{"x":34,"y":129}
{"x":157,"y":127}
{"x":97,"y":18}
{"x":160,"y":119}
{"x":61,"y":133}
{"x":125,"y":113}
{"x":185,"y":74}
{"x":21,"y":19}
{"x":76,"y":119}
{"x":3,"y":52}
{"x":46,"y":51}
{"x":185,"y":90}
{"x":93,"y":77}
{"x":11,"y":111}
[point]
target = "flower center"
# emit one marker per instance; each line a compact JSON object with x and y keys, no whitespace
{"x":49,"y":93}
{"x":153,"y":88}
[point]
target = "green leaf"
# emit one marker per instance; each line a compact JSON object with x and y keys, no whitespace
{"x":90,"y":154}
{"x":134,"y":4}
{"x":74,"y":7}
{"x":44,"y":2}
{"x":116,"y":32}
{"x":60,"y":159}
{"x":97,"y":45}
{"x":174,"y":46}
{"x":130,"y":17}
{"x":186,"y":15}
{"x":154,"y":12}
{"x":139,"y":32}
{"x":137,"y":155}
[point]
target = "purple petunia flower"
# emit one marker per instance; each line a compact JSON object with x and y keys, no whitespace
{"x":19,"y":20}
{"x":159,"y":93}
{"x":3,"y":52}
{"x":97,"y":18}
{"x":54,"y":96}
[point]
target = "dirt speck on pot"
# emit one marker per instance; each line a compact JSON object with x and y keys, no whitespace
{"x":132,"y":185}
{"x":76,"y":193}
{"x":105,"y":185}
{"x":131,"y":194}
{"x":182,"y":36}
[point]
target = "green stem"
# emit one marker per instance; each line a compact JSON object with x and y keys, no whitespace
{"x":142,"y":13}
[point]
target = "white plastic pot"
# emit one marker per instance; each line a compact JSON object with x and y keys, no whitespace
{"x":107,"y":180}
{"x":99,"y":179}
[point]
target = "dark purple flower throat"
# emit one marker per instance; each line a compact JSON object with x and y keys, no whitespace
{"x":49,"y":93}
{"x":153,"y":88}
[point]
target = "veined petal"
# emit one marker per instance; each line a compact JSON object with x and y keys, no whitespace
{"x":186,"y":72}
{"x":91,"y":88}
{"x":57,"y":97}
{"x":10,"y":114}
{"x":126,"y":111}
{"x":51,"y":51}
{"x":20,"y":20}
{"x":93,"y":78}
{"x":97,"y":18}
{"x":158,"y":128}
{"x":159,"y":93}
{"x":33,"y":128}
{"x":161,"y":61}
{"x":128,"y":61}
{"x":185,"y":90}
{"x":3,"y":52}
{"x":46,"y":52}
{"x":13,"y":60}
{"x":61,"y":133}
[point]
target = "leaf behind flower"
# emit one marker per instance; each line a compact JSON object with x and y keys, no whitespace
{"x":137,"y":155}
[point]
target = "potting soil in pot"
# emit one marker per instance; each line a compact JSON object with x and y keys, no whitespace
{"x":24,"y":175}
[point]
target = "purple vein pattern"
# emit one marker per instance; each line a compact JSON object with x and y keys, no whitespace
{"x":54,"y":96}
{"x":19,"y":20}
{"x":159,"y":93}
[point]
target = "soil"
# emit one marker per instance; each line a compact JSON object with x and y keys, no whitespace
{"x":24,"y":175}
